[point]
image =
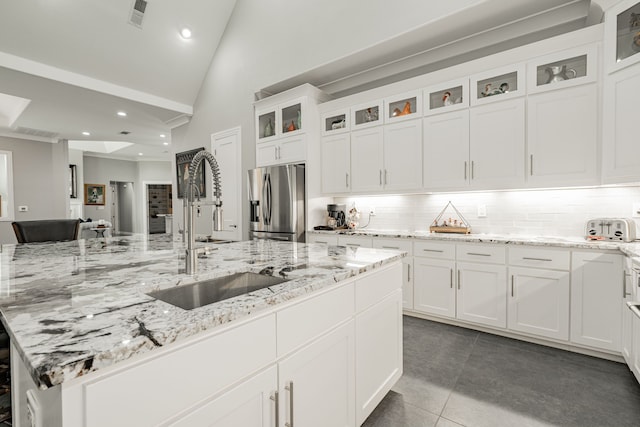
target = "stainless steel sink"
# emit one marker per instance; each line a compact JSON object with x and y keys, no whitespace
{"x":209,"y":291}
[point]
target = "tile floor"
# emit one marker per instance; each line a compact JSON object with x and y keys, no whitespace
{"x":458,"y":377}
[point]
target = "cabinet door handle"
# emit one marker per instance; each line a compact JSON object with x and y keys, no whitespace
{"x":391,"y":247}
{"x":512,"y":285}
{"x":624,"y":285}
{"x":408,"y":272}
{"x":346,"y":180}
{"x":433,"y":250}
{"x":357,"y":245}
{"x":380,"y":176}
{"x":477,"y":254}
{"x":451,"y":277}
{"x":537,"y":259}
{"x":459,"y":279}
{"x":289,"y":388}
{"x":386,"y":177}
{"x":320,"y":241}
{"x":465,"y":170}
{"x":531,"y":164}
{"x":472,"y":170}
{"x":274,"y":398}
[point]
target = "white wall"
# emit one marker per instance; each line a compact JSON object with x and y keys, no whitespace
{"x":269,"y":41}
{"x":40,"y":173}
{"x":561,"y":212}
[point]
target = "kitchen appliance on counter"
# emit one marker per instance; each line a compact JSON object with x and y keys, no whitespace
{"x":336,"y":216}
{"x":611,"y":229}
{"x":277,"y":203}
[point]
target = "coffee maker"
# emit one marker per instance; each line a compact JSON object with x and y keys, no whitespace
{"x":336,"y":213}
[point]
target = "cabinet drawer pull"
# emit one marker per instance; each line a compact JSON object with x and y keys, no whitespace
{"x":512,"y":285}
{"x":274,"y":398}
{"x":477,"y":254}
{"x":289,"y":388}
{"x":531,"y":164}
{"x":347,"y":180}
{"x":451,"y":277}
{"x":537,"y":259}
{"x":433,"y":250}
{"x":472,"y":170}
{"x":322,"y":241}
{"x":391,"y":247}
{"x":386,"y":177}
{"x":408,"y":272}
{"x":465,"y":170}
{"x":380,"y":176}
{"x":357,"y":245}
{"x":458,"y":279}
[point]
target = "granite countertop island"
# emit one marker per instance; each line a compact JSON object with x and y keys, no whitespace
{"x":72,"y":308}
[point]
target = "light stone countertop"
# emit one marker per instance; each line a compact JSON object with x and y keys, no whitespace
{"x":75,"y":307}
{"x":631,"y":248}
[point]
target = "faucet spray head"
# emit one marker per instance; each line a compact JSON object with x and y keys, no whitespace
{"x":217,"y":216}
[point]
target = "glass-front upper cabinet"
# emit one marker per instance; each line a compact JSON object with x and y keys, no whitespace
{"x":403,"y":107}
{"x":336,"y":122}
{"x":266,"y":125}
{"x":497,"y":85}
{"x":6,"y":186}
{"x":622,"y":35}
{"x":563,"y":69}
{"x":366,"y":115}
{"x":446,"y":97}
{"x":291,"y":117}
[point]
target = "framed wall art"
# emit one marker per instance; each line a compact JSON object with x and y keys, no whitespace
{"x":183,"y":160}
{"x":94,"y":194}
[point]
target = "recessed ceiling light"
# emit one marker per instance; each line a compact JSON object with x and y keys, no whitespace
{"x":185,"y":33}
{"x":139,"y":154}
{"x":122,"y":114}
{"x":165,"y":143}
{"x":85,"y":133}
{"x":162,"y":135}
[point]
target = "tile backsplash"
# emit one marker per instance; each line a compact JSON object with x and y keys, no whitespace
{"x":556,"y":212}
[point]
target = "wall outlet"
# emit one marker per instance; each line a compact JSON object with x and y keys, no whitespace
{"x":635,"y":210}
{"x":23,"y":208}
{"x":482,"y":211}
{"x":372,"y":211}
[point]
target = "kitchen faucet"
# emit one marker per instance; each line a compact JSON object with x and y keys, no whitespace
{"x":190,"y":203}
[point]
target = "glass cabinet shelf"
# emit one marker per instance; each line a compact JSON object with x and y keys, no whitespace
{"x":292,"y":118}
{"x":266,"y":125}
{"x":566,"y":69}
{"x":497,"y":85}
{"x":335,"y":122}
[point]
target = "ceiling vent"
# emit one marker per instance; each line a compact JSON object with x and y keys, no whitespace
{"x":124,"y":132}
{"x":137,"y":13}
{"x":36,"y":132}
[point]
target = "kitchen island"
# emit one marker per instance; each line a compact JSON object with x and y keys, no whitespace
{"x":81,"y":323}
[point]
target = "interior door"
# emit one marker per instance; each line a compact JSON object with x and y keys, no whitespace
{"x":225,"y":147}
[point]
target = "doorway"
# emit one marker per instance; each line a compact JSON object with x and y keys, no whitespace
{"x":122,"y":202}
{"x":159,"y":208}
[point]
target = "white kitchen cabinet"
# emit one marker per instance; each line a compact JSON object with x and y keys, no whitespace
{"x":407,"y":265}
{"x":446,"y":97}
{"x":620,"y":148}
{"x":446,"y":151}
{"x":226,"y":147}
{"x":482,"y":294}
{"x":562,"y":137}
{"x":434,"y":287}
{"x":539,"y":302}
{"x":404,"y":106}
{"x":403,"y":156}
{"x":497,"y":144}
{"x":563,"y":69}
{"x":367,"y":159}
{"x":317,"y":383}
{"x":250,"y":404}
{"x":634,"y":354}
{"x":378,"y":353}
{"x":497,"y":85}
{"x":335,"y":122}
{"x":626,"y":343}
{"x":336,"y":163}
{"x":284,"y":150}
{"x":596,"y":288}
{"x":355,"y":242}
{"x":367,"y":115}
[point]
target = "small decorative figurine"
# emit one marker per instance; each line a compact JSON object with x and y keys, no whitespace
{"x":504,"y":87}
{"x":407,"y":108}
{"x":371,"y":116}
{"x":291,"y":127}
{"x":446,"y":99}
{"x":487,"y":90}
{"x":353,"y":218}
{"x":396,"y":112}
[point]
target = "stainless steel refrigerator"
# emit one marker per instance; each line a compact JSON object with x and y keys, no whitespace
{"x":276,"y":203}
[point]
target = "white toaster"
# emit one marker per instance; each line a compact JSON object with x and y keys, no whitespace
{"x":616,"y":229}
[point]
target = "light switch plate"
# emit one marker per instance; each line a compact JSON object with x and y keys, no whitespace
{"x":636,"y":210}
{"x":482,"y":211}
{"x":23,"y":208}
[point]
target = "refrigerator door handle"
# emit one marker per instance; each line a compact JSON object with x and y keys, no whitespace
{"x":266,"y":208}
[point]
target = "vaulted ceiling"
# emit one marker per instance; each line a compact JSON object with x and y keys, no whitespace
{"x":74,"y":64}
